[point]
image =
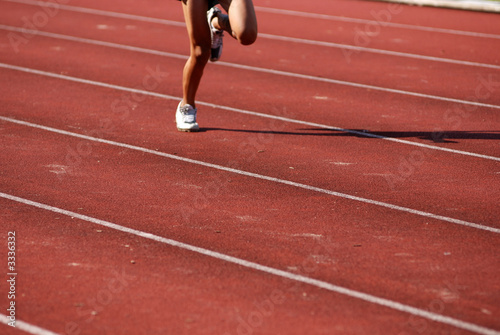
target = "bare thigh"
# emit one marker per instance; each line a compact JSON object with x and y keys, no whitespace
{"x":195,"y":15}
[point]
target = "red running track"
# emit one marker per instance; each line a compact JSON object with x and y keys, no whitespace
{"x":333,"y":189}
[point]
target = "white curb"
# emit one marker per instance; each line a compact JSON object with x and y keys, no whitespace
{"x":476,"y":5}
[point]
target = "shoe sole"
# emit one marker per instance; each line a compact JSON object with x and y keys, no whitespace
{"x":189,"y":130}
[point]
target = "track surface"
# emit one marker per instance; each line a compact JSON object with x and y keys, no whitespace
{"x":345,"y":181}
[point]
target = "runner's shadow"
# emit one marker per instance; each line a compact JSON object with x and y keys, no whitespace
{"x":270,"y":132}
{"x":435,"y":136}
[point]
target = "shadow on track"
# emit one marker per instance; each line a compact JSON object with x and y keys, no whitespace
{"x":437,"y":137}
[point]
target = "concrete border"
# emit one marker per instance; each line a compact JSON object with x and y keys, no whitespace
{"x":475,"y":5}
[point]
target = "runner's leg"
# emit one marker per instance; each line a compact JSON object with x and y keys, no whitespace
{"x":195,"y":15}
{"x":240,"y":21}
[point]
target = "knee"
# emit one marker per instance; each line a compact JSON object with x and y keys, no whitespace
{"x":248,"y":36}
{"x":200,"y":54}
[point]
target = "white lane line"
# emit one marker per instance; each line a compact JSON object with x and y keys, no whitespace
{"x":476,"y":5}
{"x":259,"y":176}
{"x":99,"y":12}
{"x":262,"y":9}
{"x":242,"y":111}
{"x":379,"y":51}
{"x":93,"y":42}
{"x":374,"y":21}
{"x":26,"y":327}
{"x":269,"y":36}
{"x":357,"y":85}
{"x":265,"y":70}
{"x":266,"y":269}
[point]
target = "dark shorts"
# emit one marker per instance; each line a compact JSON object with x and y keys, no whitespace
{"x":211,"y":3}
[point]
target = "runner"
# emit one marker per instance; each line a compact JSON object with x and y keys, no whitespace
{"x":206,"y":25}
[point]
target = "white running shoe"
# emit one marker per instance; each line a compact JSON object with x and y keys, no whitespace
{"x":185,"y":117}
{"x":215,"y":34}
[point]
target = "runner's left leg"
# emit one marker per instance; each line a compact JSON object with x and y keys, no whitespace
{"x":240,"y":21}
